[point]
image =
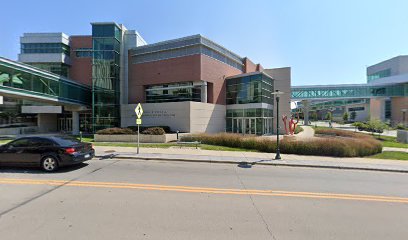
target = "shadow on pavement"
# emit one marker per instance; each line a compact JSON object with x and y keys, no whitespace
{"x":250,"y":164}
{"x":34,"y":170}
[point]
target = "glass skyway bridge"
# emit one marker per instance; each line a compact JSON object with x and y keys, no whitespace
{"x":321,"y":92}
{"x":24,"y":81}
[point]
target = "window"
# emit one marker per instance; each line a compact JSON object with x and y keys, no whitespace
{"x":173,"y":92}
{"x":24,"y":142}
{"x":83,"y":52}
{"x":250,"y":89}
{"x":45,"y":48}
{"x":356,"y":109}
{"x":379,"y":74}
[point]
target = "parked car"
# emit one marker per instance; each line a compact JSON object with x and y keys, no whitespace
{"x":48,"y":152}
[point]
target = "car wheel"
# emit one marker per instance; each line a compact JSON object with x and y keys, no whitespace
{"x":49,"y":164}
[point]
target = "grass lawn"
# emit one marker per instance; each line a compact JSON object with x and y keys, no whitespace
{"x":391,"y":142}
{"x":391,"y":155}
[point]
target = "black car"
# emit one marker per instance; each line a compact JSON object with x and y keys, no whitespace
{"x":49,"y":152}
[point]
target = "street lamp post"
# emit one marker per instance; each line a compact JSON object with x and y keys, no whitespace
{"x":277,"y":93}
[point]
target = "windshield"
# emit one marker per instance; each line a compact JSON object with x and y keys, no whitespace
{"x":66,"y":141}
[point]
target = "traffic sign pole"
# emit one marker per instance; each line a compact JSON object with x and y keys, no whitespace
{"x":139,"y":113}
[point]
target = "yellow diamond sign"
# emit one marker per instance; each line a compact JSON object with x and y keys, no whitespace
{"x":139,"y":110}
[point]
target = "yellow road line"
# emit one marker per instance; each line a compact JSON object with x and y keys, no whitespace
{"x":205,"y":190}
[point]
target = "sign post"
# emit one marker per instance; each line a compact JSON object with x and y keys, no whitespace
{"x":139,"y":113}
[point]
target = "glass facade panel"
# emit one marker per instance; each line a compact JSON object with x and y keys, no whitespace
{"x":174,"y":92}
{"x":45,"y":48}
{"x":21,"y":80}
{"x":57,"y":68}
{"x":106,"y":76}
{"x":250,"y":89}
{"x":249,"y":121}
{"x":379,"y":74}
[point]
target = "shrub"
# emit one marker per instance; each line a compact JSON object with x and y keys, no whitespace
{"x":142,"y":128}
{"x":345,"y":116}
{"x":347,"y":144}
{"x":154,"y":131}
{"x":401,"y":126}
{"x":298,"y":129}
{"x":115,"y":131}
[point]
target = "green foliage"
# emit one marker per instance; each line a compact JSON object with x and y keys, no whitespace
{"x":314,"y":116}
{"x":329,"y":116}
{"x":345,"y":116}
{"x":298,"y":129}
{"x":374,"y":126}
{"x":154,"y":131}
{"x":115,"y":131}
{"x":142,"y":128}
{"x":340,"y":144}
{"x":391,"y":155}
{"x":401,"y":126}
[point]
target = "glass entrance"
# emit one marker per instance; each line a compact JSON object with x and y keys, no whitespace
{"x":244,"y":125}
{"x":259,"y":126}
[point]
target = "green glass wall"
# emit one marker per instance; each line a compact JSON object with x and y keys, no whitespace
{"x":256,"y":88}
{"x":57,"y":68}
{"x":106,"y":40}
{"x":45,"y":48}
{"x":250,"y":89}
{"x":18,"y":79}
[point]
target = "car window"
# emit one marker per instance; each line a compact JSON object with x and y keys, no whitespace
{"x":66,"y":141}
{"x":40,"y":142}
{"x":20,"y":143}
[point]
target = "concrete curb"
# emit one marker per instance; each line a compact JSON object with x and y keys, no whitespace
{"x":256,"y":163}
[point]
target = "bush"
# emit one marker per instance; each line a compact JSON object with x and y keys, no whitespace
{"x":154,"y":131}
{"x":401,"y":126}
{"x":348,"y":144}
{"x":115,"y":131}
{"x":298,"y":129}
{"x":142,"y":128}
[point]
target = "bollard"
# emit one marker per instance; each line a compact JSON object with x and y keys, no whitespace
{"x":80,"y":136}
{"x":177,"y":135}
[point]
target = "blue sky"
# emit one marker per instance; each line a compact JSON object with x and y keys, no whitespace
{"x":325,"y":42}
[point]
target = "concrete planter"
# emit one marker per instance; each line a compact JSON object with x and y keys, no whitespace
{"x":402,"y":136}
{"x":133,"y":138}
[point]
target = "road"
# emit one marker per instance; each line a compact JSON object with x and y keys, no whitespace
{"x":129,"y":199}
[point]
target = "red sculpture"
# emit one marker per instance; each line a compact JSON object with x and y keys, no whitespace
{"x":284,"y":118}
{"x":293,"y":124}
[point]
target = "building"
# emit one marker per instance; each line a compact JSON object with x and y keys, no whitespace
{"x":384,"y":97}
{"x":191,"y":84}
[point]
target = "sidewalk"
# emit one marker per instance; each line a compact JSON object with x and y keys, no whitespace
{"x":246,"y":159}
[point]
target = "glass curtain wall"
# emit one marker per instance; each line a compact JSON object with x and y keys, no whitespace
{"x":253,"y":89}
{"x":106,"y":76}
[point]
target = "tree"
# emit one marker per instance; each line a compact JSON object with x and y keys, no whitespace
{"x":345,"y":116}
{"x":329,"y":116}
{"x":353,"y":115}
{"x":314,"y":116}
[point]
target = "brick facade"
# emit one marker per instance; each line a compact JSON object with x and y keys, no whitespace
{"x":182,"y":69}
{"x":81,"y":68}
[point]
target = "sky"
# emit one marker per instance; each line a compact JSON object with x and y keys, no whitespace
{"x":323,"y":41}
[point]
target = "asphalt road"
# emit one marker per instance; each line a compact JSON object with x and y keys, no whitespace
{"x":121,"y":199}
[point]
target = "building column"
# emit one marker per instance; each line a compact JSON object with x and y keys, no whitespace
{"x":306,"y":105}
{"x":377,"y":109}
{"x":75,"y":123}
{"x":204,"y":92}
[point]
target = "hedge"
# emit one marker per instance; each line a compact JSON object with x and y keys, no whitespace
{"x":344,"y":146}
{"x":154,"y":131}
{"x":142,"y":128}
{"x":115,"y":131}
